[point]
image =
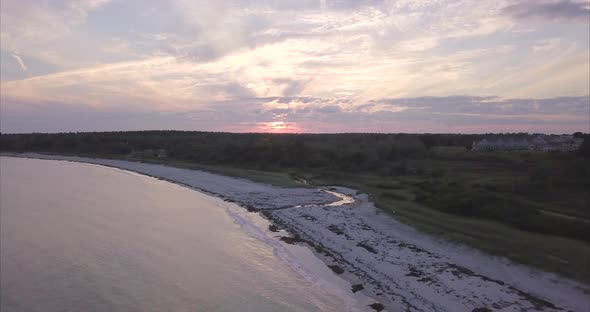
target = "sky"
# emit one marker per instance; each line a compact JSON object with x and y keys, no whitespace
{"x":439,"y":66}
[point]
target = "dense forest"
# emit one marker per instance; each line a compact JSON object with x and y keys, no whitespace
{"x":527,"y":190}
{"x":341,"y":151}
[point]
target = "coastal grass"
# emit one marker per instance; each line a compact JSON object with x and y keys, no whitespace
{"x":562,"y":255}
{"x":552,"y":253}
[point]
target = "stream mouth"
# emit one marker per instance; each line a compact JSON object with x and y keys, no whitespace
{"x":344,"y":199}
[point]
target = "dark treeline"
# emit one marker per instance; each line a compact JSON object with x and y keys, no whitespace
{"x":340,"y":151}
{"x":448,"y":182}
{"x":343,"y":151}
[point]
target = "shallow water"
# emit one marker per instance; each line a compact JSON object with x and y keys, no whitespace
{"x":78,"y":237}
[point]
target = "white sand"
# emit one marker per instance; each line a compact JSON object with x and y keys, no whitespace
{"x":400,"y":267}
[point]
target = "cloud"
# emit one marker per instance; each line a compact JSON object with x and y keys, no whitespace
{"x":332,"y":63}
{"x":59,"y":117}
{"x":547,"y":45}
{"x":292,"y":87}
{"x":571,"y":10}
{"x":494,"y":106}
{"x":20,"y":62}
{"x":329,"y":109}
{"x":42,"y":21}
{"x":435,"y":114}
{"x":421,"y":114}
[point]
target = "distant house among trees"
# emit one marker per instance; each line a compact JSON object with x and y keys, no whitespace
{"x":544,"y":143}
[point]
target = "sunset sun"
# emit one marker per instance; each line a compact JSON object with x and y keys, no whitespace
{"x":278,"y":127}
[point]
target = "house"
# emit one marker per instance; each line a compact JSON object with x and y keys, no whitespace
{"x":517,"y":144}
{"x":538,"y":144}
{"x":568,"y":144}
{"x":509,"y":144}
{"x":544,"y":143}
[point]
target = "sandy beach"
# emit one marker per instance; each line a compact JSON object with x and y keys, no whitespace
{"x":401,"y":268}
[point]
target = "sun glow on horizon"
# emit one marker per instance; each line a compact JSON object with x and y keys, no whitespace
{"x":278,"y":127}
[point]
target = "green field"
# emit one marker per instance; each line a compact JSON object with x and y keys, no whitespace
{"x":531,"y":207}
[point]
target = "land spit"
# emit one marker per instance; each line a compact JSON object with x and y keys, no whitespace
{"x":401,"y":268}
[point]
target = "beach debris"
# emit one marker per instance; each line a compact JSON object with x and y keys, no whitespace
{"x":357,"y":287}
{"x":337,"y":269}
{"x":292,"y":240}
{"x":334,"y":228}
{"x":273,"y":228}
{"x":367,"y":247}
{"x":377,"y":306}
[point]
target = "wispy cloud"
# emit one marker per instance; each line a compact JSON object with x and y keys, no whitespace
{"x":20,"y":62}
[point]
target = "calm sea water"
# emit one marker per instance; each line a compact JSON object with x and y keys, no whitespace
{"x":77,"y":237}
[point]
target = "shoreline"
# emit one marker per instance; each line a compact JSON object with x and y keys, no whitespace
{"x":398,"y":266}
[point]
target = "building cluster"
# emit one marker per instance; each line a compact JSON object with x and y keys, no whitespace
{"x":544,"y":143}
